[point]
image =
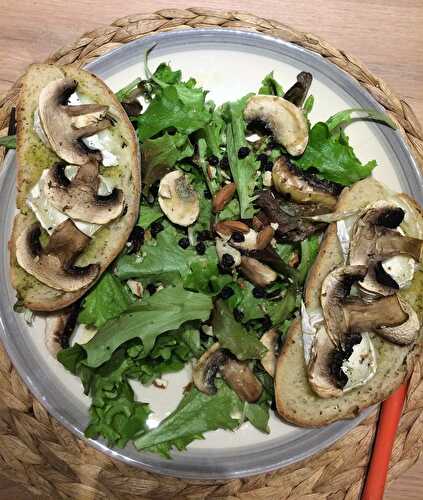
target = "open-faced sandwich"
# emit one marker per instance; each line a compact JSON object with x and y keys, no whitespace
{"x":78,"y":185}
{"x":264,"y":254}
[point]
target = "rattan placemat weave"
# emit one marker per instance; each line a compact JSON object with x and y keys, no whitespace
{"x":45,"y":458}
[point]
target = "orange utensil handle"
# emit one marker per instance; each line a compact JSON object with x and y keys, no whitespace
{"x":390,"y":415}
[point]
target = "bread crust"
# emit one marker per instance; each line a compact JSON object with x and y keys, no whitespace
{"x":295,"y":400}
{"x":102,"y":249}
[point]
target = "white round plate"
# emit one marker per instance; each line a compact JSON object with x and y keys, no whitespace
{"x":230,"y":64}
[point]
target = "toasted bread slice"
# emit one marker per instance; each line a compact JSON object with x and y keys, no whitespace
{"x":33,"y":156}
{"x":296,"y":401}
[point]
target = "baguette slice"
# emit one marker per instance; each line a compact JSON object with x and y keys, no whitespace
{"x":295,"y":400}
{"x":33,"y":157}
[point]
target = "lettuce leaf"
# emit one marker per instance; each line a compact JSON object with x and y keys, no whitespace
{"x":196,"y":414}
{"x":233,"y":336}
{"x":107,"y":300}
{"x":166,"y":310}
{"x":269,"y":86}
{"x":309,"y":251}
{"x":344,"y":118}
{"x":333,"y":157}
{"x":148,"y":214}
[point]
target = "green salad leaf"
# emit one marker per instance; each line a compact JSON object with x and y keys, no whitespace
{"x":148,"y":215}
{"x":309,"y":251}
{"x":166,"y":310}
{"x":107,"y":300}
{"x":333,"y":157}
{"x":258,"y":415}
{"x":126,"y":91}
{"x":9,"y":141}
{"x":269,"y":86}
{"x":162,"y":260}
{"x":196,"y":414}
{"x":280,"y":310}
{"x":243,"y":170}
{"x":348,"y":116}
{"x":233,"y":336}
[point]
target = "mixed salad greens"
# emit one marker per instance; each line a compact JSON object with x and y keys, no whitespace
{"x":176,"y":291}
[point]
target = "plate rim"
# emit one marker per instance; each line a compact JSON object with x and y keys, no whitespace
{"x":347,"y":425}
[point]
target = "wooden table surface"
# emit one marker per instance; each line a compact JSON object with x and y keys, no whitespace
{"x":386,"y":35}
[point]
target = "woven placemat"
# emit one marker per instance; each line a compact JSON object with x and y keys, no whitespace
{"x":50,"y":462}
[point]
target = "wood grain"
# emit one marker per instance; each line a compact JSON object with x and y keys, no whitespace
{"x":385,"y":34}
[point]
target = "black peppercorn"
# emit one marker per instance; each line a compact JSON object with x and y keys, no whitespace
{"x":136,"y":239}
{"x":224,"y":162}
{"x":201,"y":248}
{"x":226,"y":292}
{"x":238,"y":314}
{"x":213,"y":160}
{"x":183,"y":243}
{"x":204,"y":235}
{"x":155,"y":228}
{"x":227,"y":261}
{"x":269,"y":166}
{"x":259,"y":293}
{"x":243,"y":152}
{"x":237,"y":237}
{"x":151,"y":288}
{"x":266,"y":323}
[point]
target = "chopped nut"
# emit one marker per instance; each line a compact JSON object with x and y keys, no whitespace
{"x":223,"y":197}
{"x":264,"y":237}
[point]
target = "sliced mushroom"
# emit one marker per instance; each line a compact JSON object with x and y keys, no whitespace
{"x":178,"y":199}
{"x":54,"y":264}
{"x":286,"y":121}
{"x":374,"y":239}
{"x":259,"y":274}
{"x":270,"y":340}
{"x":78,"y":197}
{"x":303,"y":187}
{"x":298,"y":92}
{"x":57,"y":120}
{"x":59,"y":328}
{"x":237,"y":374}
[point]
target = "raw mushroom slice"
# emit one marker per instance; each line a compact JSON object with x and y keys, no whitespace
{"x":286,"y":121}
{"x":237,"y":374}
{"x":54,"y":264}
{"x":178,"y":199}
{"x":259,"y":274}
{"x":303,"y":187}
{"x":58,"y":121}
{"x":78,"y":198}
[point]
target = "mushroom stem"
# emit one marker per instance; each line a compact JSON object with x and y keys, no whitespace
{"x":258,"y":273}
{"x":389,"y":243}
{"x":85,"y":109}
{"x":384,"y":312}
{"x":242,"y":380}
{"x":91,"y":129}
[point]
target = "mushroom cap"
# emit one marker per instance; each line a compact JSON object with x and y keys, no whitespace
{"x":178,"y":200}
{"x":206,"y":368}
{"x":286,"y":121}
{"x":58,"y":121}
{"x":53,"y":265}
{"x":78,"y":197}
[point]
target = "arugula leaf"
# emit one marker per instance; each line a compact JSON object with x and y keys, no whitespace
{"x":160,"y":155}
{"x":107,"y":300}
{"x":196,"y":414}
{"x":9,"y":141}
{"x":164,"y":311}
{"x":148,"y":214}
{"x":269,"y":86}
{"x":333,"y":157}
{"x":162,"y":260}
{"x":176,"y":106}
{"x":309,"y":251}
{"x":343,"y":118}
{"x":233,"y":336}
